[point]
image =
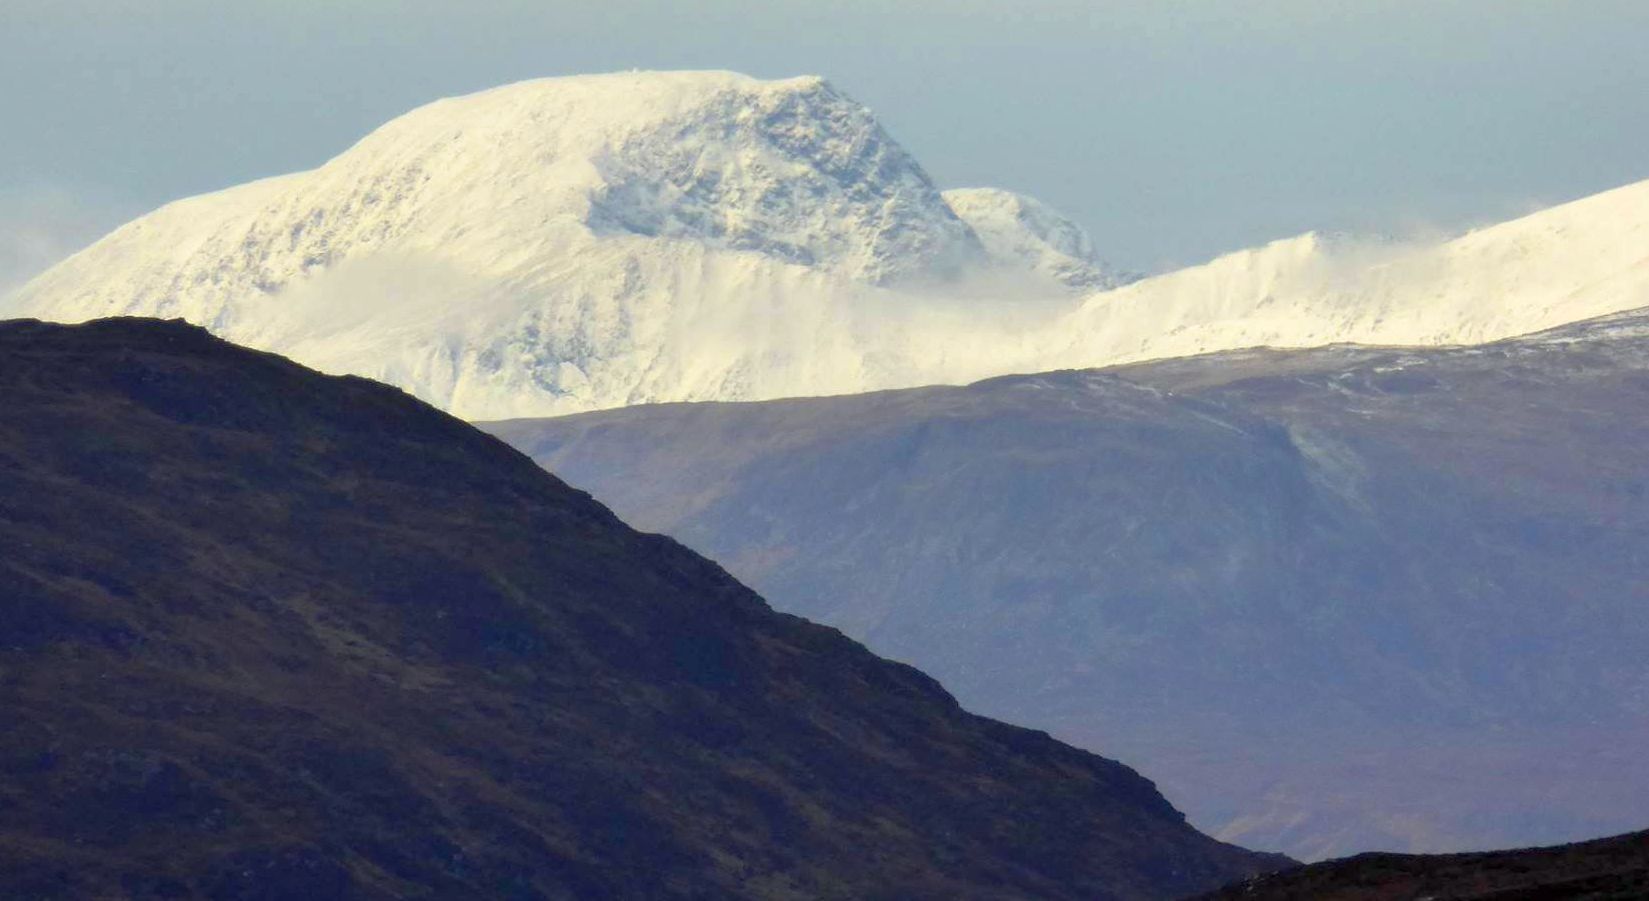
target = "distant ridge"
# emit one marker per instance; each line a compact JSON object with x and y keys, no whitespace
{"x":1285,"y":581}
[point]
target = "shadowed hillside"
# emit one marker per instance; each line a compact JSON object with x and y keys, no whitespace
{"x":1608,"y":869}
{"x":266,"y":633}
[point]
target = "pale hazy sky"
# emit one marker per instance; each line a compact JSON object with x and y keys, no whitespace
{"x":1172,"y":130}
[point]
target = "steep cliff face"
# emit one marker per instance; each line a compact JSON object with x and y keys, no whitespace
{"x":266,"y":633}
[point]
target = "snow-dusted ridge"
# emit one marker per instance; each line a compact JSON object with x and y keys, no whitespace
{"x":1571,"y":262}
{"x":578,"y":243}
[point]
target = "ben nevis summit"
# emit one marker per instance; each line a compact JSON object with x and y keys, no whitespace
{"x":580,"y":243}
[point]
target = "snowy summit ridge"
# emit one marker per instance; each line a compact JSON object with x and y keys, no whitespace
{"x":544,"y":246}
{"x":790,"y":169}
{"x":578,"y":243}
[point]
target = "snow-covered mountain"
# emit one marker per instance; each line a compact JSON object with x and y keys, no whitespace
{"x":597,"y":241}
{"x":1565,"y":264}
{"x":1020,"y":232}
{"x":552,"y":245}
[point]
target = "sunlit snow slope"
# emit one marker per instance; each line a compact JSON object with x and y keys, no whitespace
{"x":1020,"y":232}
{"x":1564,"y":264}
{"x":580,"y":243}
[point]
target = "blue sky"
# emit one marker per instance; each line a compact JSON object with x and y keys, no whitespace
{"x":1172,"y":130}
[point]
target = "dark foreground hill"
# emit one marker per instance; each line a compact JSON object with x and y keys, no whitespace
{"x":1609,"y":869}
{"x":1332,"y":600}
{"x":270,"y":634}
